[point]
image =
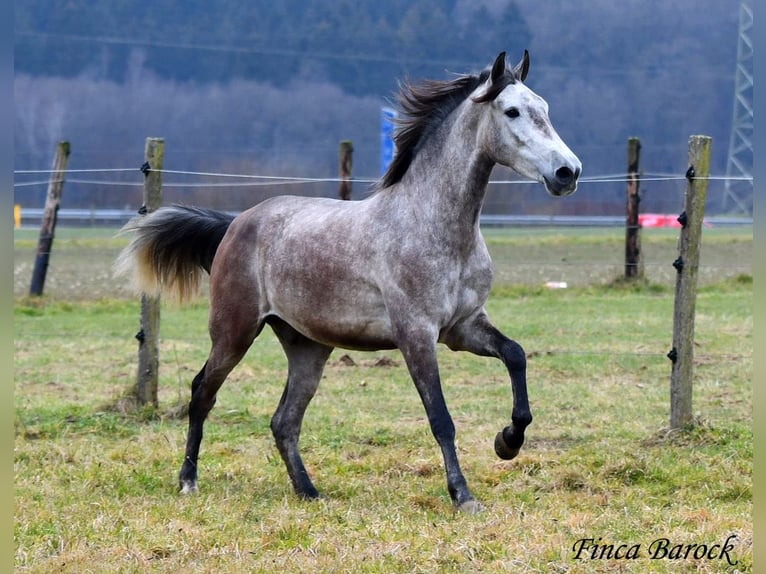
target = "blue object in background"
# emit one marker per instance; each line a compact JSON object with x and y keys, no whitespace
{"x":387,"y":119}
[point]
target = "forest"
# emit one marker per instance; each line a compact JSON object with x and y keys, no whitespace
{"x":255,"y":87}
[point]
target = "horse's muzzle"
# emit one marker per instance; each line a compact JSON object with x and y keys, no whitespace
{"x":563,"y":182}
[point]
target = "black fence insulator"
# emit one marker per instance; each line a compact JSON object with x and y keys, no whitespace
{"x":690,"y":173}
{"x":679,"y":264}
{"x":140,"y":336}
{"x":142,"y":210}
{"x":673,"y":355}
{"x":146,"y":168}
{"x":683,"y":219}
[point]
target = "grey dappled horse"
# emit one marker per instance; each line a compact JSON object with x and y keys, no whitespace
{"x":405,"y":268}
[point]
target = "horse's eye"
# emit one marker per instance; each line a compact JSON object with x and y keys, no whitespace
{"x":512,"y":112}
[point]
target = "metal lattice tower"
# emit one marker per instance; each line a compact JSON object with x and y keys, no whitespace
{"x":738,"y":189}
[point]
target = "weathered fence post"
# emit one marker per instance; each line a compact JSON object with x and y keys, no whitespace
{"x":50,"y":215}
{"x":346,"y":157}
{"x":682,"y":353}
{"x":148,"y":335}
{"x":634,"y":267}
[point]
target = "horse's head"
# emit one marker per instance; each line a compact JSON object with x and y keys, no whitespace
{"x":515,"y":130}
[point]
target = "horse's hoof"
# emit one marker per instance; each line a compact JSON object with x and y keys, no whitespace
{"x":312,"y":494}
{"x":188,"y":487}
{"x":471,"y":507}
{"x":502,"y":449}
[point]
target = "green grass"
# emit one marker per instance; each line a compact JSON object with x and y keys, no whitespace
{"x":95,"y":478}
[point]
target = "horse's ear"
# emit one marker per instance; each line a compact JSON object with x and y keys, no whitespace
{"x":522,"y":68}
{"x":494,"y":84}
{"x":498,"y":68}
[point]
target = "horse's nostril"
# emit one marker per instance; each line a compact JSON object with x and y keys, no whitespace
{"x":564,"y":175}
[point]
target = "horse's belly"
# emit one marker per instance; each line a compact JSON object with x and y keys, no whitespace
{"x":348,"y":335}
{"x":338,"y":318}
{"x":364,"y":340}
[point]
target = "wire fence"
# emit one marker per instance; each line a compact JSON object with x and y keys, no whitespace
{"x":525,"y":258}
{"x":501,"y":209}
{"x":610,"y":178}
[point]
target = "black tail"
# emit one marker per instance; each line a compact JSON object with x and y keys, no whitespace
{"x":170,"y":249}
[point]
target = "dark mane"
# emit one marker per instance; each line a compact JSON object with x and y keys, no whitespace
{"x":422,"y":107}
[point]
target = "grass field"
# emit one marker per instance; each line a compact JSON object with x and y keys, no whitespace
{"x":95,"y":478}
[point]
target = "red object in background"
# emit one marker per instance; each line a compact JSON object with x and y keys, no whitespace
{"x":658,"y":220}
{"x":661,"y":220}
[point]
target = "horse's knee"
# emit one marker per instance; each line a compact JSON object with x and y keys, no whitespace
{"x":282,"y":431}
{"x":514,"y":356}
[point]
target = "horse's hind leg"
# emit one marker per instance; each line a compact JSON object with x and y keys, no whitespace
{"x":227,"y":351}
{"x":306,"y":360}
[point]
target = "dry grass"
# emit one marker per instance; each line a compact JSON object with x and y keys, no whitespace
{"x":95,"y":477}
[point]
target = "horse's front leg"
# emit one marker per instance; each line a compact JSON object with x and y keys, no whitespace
{"x":419,"y":351}
{"x":480,"y":337}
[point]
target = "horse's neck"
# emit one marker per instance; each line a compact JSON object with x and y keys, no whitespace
{"x":448,"y":177}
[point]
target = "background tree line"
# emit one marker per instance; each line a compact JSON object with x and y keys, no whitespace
{"x":272,"y":87}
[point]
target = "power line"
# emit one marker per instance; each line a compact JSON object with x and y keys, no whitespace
{"x":335,"y":56}
{"x":257,"y":50}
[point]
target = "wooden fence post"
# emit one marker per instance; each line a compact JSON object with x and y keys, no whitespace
{"x":50,"y":216}
{"x":682,"y":353}
{"x":346,"y":157}
{"x":148,"y":336}
{"x":634,"y":268}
